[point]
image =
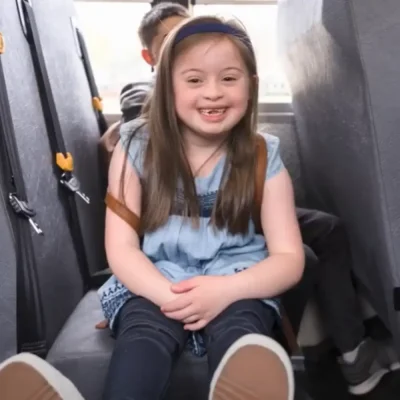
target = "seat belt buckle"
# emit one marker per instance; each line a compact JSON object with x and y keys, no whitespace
{"x":71,"y":182}
{"x":22,"y":208}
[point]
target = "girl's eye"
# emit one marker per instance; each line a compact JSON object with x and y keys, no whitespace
{"x":230,"y":79}
{"x":194,"y":80}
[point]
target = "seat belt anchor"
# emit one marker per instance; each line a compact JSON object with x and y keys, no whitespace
{"x":71,"y":182}
{"x":22,"y":208}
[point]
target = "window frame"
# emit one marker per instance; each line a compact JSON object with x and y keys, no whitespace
{"x":194,"y":2}
{"x":268,"y":111}
{"x":112,"y":1}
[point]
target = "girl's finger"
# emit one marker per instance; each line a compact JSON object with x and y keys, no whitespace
{"x":180,"y":315}
{"x":191,"y":319}
{"x":200,"y":324}
{"x":180,"y":303}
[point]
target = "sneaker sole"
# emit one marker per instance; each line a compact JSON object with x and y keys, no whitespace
{"x":370,"y":384}
{"x":254,"y":368}
{"x":395,"y":366}
{"x":27,"y":377}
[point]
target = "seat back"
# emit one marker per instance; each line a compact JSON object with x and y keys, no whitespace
{"x":60,"y":281}
{"x":80,"y":129}
{"x":342,"y":60}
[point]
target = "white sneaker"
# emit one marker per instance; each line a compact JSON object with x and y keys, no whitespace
{"x":255,"y":367}
{"x":387,"y":355}
{"x":28,"y":377}
{"x":366,"y":371}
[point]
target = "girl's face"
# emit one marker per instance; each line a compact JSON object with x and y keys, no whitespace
{"x":211,"y":87}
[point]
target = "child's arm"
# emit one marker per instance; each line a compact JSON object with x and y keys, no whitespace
{"x":283,"y":268}
{"x":126,"y":260}
{"x":110,"y":139}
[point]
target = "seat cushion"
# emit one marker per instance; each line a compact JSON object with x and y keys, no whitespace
{"x":82,"y":353}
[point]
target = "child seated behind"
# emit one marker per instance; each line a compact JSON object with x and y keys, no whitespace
{"x":187,"y":168}
{"x":154,"y":27}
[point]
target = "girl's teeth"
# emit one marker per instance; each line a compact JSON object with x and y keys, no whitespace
{"x":209,"y":112}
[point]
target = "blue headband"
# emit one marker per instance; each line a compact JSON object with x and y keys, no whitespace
{"x":213,"y":27}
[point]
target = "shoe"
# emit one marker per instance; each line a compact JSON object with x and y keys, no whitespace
{"x":365,"y":373}
{"x":255,"y":367}
{"x":28,"y":377}
{"x":387,"y":355}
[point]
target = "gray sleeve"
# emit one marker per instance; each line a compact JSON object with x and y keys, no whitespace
{"x":275,"y":163}
{"x":134,"y":95}
{"x":134,"y":139}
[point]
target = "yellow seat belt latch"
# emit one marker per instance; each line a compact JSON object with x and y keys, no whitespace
{"x":65,"y":163}
{"x":68,"y":179}
{"x":97,"y":103}
{"x":2,"y":44}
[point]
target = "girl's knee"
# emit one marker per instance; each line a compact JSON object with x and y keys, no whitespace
{"x":141,"y":319}
{"x":247,"y":316}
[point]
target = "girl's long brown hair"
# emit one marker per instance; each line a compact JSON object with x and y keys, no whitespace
{"x":165,"y":162}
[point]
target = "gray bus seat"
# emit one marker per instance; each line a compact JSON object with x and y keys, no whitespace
{"x":60,"y":283}
{"x":342,"y":60}
{"x":77,"y":117}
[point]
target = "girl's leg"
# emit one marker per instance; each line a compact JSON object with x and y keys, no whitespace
{"x":26,"y":376}
{"x":147,"y":344}
{"x":244,"y":366}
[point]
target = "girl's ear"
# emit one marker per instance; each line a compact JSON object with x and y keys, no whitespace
{"x":147,"y":57}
